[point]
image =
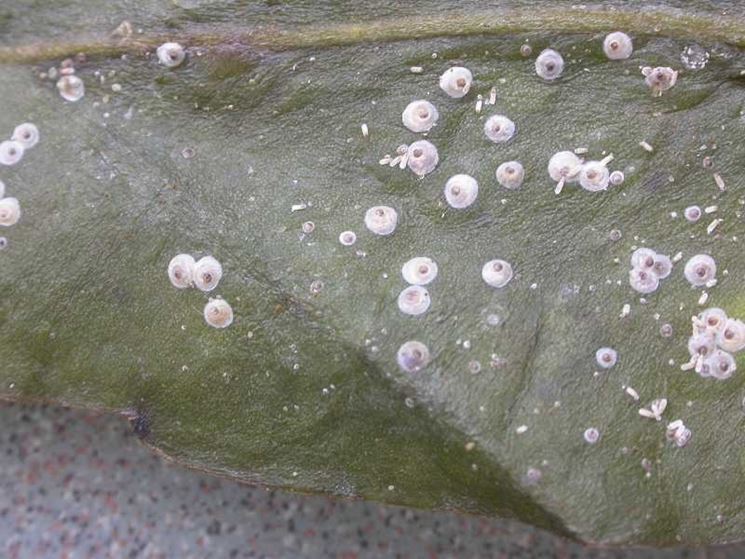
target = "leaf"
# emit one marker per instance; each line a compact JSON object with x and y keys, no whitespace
{"x":303,"y":390}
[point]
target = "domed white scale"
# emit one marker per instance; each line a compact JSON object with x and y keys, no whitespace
{"x":659,"y":79}
{"x":461,"y":191}
{"x":181,"y":271}
{"x":549,"y":65}
{"x":606,"y":357}
{"x":618,"y":46}
{"x":414,"y":300}
{"x":10,"y":211}
{"x":207,"y":273}
{"x":413,"y":356}
{"x":662,"y":266}
{"x":171,"y":55}
{"x":420,"y":270}
{"x":643,"y":258}
{"x":511,"y":174}
{"x":420,"y":116}
{"x":643,"y":281}
{"x":2,"y":189}
{"x":381,"y":220}
{"x":710,"y":321}
{"x":456,"y":81}
{"x":27,"y":134}
{"x":11,"y":152}
{"x":721,"y":364}
{"x":731,"y":337}
{"x":71,"y":88}
{"x":497,"y":273}
{"x":563,"y":167}
{"x":700,"y":270}
{"x":422,"y":157}
{"x":218,"y":313}
{"x":594,"y":176}
{"x":499,"y":129}
{"x":347,"y":238}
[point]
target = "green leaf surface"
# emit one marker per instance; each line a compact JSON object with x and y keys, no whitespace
{"x":303,"y":390}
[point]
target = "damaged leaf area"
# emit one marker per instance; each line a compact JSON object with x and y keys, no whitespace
{"x":240,"y":247}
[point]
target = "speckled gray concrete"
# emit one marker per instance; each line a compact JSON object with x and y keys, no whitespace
{"x":77,"y":485}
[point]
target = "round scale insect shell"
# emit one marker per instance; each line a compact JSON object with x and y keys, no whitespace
{"x":692,"y":213}
{"x":461,"y":191}
{"x":11,"y":152}
{"x":181,"y":271}
{"x":712,"y":320}
{"x":616,"y":178}
{"x":721,"y":364}
{"x":456,"y":81}
{"x":660,"y":79}
{"x":218,"y":313}
{"x":27,"y":134}
{"x":381,"y":220}
{"x":170,"y":55}
{"x":422,"y":157}
{"x":701,"y":344}
{"x":591,"y":435}
{"x":2,"y":189}
{"x":420,"y":270}
{"x":606,"y":357}
{"x":731,"y":337}
{"x":511,"y":174}
{"x":549,"y":64}
{"x":700,"y":270}
{"x":499,"y":129}
{"x":420,"y":116}
{"x":347,"y":238}
{"x":643,"y":281}
{"x":594,"y":176}
{"x":497,"y":273}
{"x":414,"y":300}
{"x":662,"y":266}
{"x":71,"y":88}
{"x":207,"y":273}
{"x":618,"y":46}
{"x":413,"y":356}
{"x":643,"y":258}
{"x":564,"y":165}
{"x":10,"y":211}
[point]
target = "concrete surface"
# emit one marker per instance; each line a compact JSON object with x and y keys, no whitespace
{"x":76,"y":485}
